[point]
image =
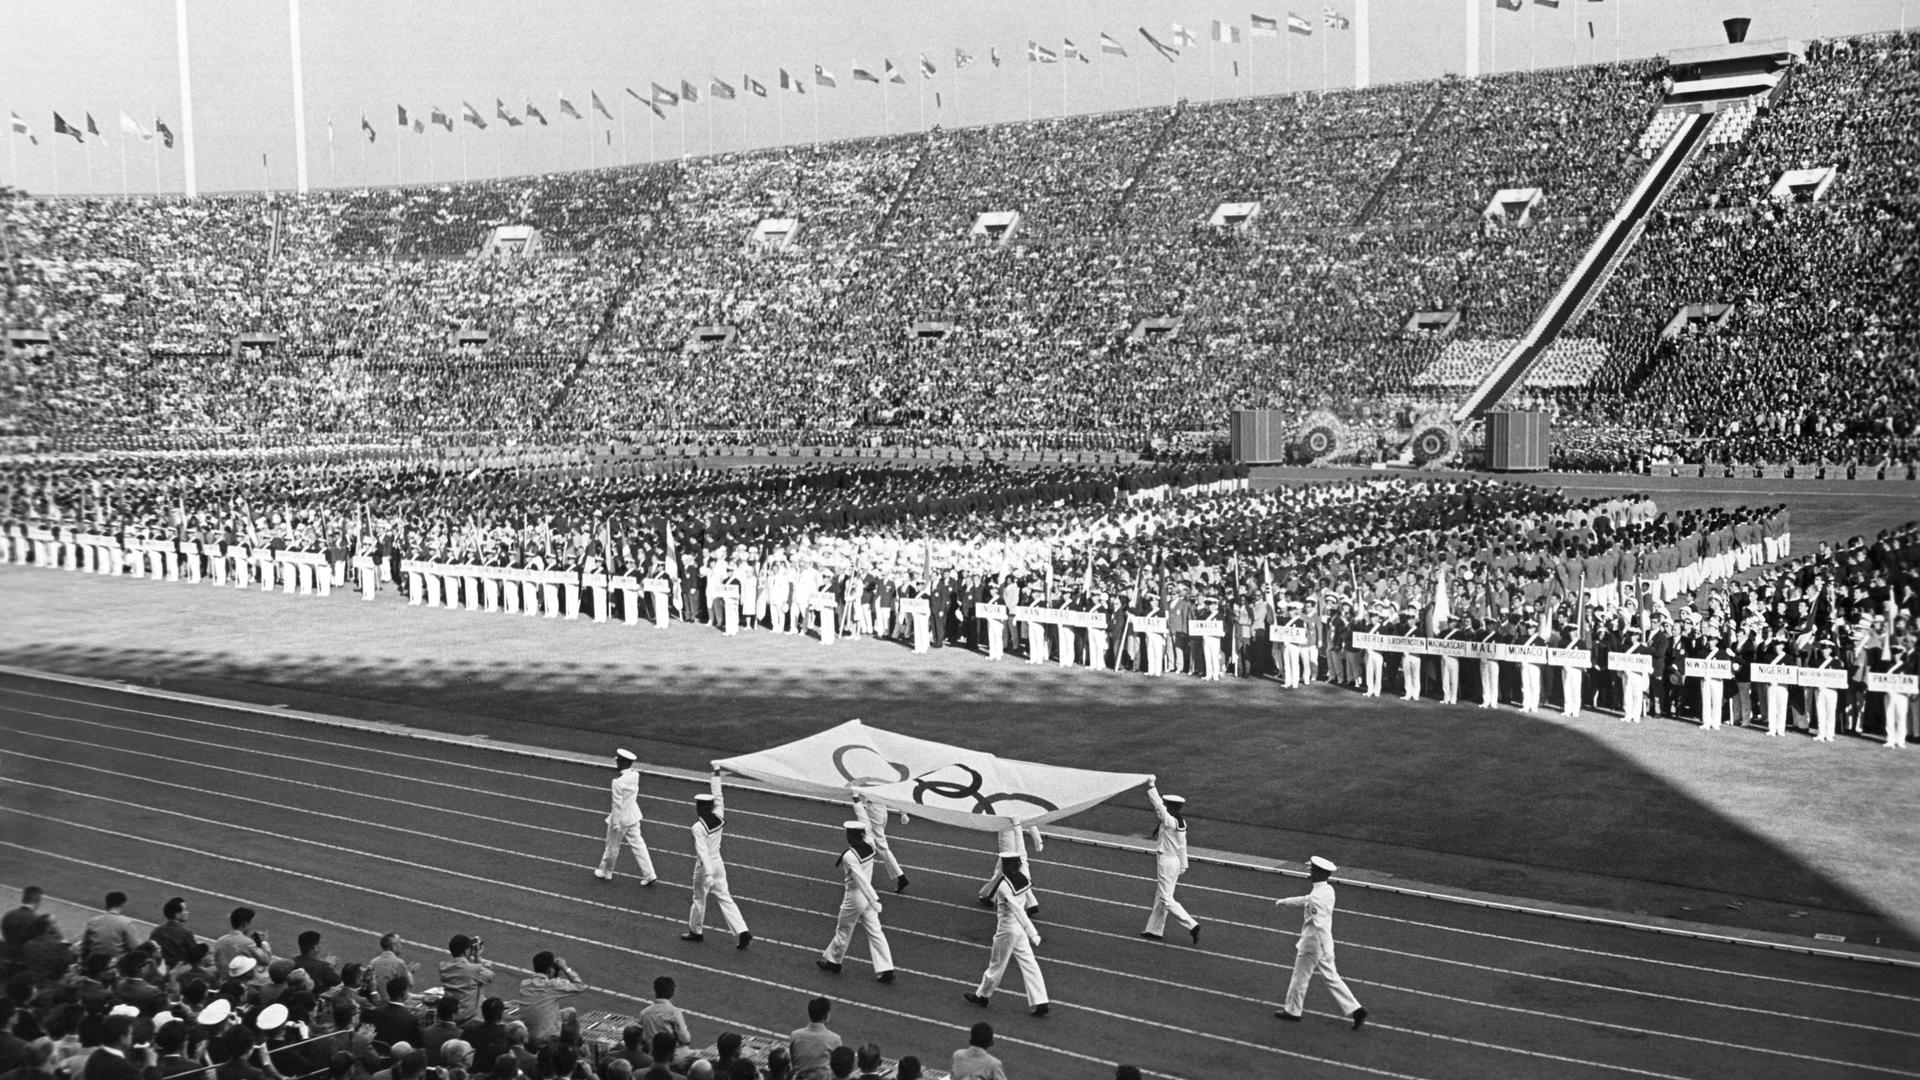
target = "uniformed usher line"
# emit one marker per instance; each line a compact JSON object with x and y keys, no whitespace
{"x":728,"y":974}
{"x":998,"y":1036}
{"x":936,"y":937}
{"x":930,"y":843}
{"x":919,"y":899}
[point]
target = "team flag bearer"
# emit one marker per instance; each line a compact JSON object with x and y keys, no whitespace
{"x":859,"y":906}
{"x":1169,"y":863}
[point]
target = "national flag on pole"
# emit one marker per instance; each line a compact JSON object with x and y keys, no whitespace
{"x":823,"y":77}
{"x":1181,"y":38}
{"x":534,"y":112}
{"x":993,"y":54}
{"x":721,"y":89}
{"x":93,"y":129}
{"x":403,"y":115}
{"x":567,"y":109}
{"x":435,"y":116}
{"x":1108,"y":45}
{"x":1261,"y":26}
{"x":861,"y":74}
{"x":329,"y":132}
{"x":1072,"y":52}
{"x":1510,"y":5}
{"x":754,"y":86}
{"x":132,"y":127}
{"x":893,"y":73}
{"x":689,"y":93}
{"x":926,"y":67}
{"x":20,"y":128}
{"x":1298,"y":25}
{"x":419,"y":128}
{"x":165,"y":133}
{"x":1040,"y":54}
{"x":664,"y":96}
{"x":961,"y":58}
{"x":365,"y":125}
{"x":1548,"y":3}
{"x":598,"y":105}
{"x":644,"y":101}
{"x":1335,"y":20}
{"x":1224,"y":33}
{"x":472,"y":116}
{"x":1589,"y":28}
{"x":1172,"y":54}
{"x":500,"y":110}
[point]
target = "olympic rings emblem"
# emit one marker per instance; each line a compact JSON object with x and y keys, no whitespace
{"x":982,"y":804}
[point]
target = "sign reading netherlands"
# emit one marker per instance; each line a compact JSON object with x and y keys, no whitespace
{"x":1633,"y":662}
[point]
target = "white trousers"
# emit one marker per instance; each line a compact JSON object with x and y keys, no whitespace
{"x":715,"y":889}
{"x":1013,"y":945}
{"x":1315,"y":961}
{"x":630,"y":834}
{"x":1168,"y":870}
{"x":1450,"y":680}
{"x":854,"y":911}
{"x":1896,"y":718}
{"x":1530,"y":687}
{"x":1571,"y":682}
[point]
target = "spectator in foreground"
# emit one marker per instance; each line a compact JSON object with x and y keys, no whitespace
{"x":814,"y":1044}
{"x":553,"y":981}
{"x":110,"y":933}
{"x":972,"y":1062}
{"x":173,"y":936}
{"x":463,"y":975}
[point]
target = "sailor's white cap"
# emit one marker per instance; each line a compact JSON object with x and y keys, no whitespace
{"x":854,"y":826}
{"x":216,"y":1012}
{"x":1322,"y":864}
{"x":625,"y":755}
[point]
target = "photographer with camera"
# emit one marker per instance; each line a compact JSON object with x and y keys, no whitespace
{"x":241,"y":940}
{"x":463,"y":975}
{"x":553,"y":981}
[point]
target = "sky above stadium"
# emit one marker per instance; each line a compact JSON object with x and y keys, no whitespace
{"x":365,"y":58}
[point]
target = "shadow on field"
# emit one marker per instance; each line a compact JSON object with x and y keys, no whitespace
{"x":1577,"y":811}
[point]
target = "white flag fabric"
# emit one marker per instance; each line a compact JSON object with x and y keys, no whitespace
{"x":132,"y":127}
{"x":951,"y":784}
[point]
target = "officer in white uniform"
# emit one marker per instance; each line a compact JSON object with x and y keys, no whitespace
{"x":623,"y":821}
{"x":876,"y":818}
{"x":709,"y":872}
{"x":859,"y":906}
{"x":1013,"y":844}
{"x":1315,"y":950}
{"x":1014,"y":938}
{"x":1170,"y":862}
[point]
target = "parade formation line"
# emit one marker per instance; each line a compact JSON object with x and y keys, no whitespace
{"x":360,"y":833}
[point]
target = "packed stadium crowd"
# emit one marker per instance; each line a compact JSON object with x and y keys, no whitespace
{"x":127,"y":1000}
{"x":385,"y":311}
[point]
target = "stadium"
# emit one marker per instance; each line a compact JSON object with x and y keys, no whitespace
{"x":1482,"y":484}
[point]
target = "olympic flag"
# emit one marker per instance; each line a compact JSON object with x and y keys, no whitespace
{"x":950,"y":784}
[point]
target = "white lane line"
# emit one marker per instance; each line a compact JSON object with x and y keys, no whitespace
{"x":784,"y":987}
{"x":922,"y":899}
{"x":1351,"y":911}
{"x":1111,"y":973}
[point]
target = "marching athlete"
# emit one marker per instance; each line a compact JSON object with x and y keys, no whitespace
{"x":1169,"y":863}
{"x":875,"y":816}
{"x":859,"y":906}
{"x":1314,"y":953}
{"x":1014,"y":938}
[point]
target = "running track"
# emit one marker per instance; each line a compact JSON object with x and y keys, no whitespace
{"x":358,"y":833}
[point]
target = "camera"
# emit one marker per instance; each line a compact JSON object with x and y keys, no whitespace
{"x":478,"y":944}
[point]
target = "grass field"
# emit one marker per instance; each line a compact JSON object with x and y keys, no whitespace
{"x":1728,"y":828}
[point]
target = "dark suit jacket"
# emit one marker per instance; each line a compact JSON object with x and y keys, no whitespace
{"x":104,"y":1064}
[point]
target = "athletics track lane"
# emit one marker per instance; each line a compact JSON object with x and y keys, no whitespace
{"x":385,"y":833}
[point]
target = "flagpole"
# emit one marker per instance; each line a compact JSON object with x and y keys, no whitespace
{"x":13,"y":158}
{"x":1533,"y":34}
{"x":1323,"y":56}
{"x":156,"y":153}
{"x":333,"y":173}
{"x":188,"y":177}
{"x":125,"y":192}
{"x":1623,"y":3}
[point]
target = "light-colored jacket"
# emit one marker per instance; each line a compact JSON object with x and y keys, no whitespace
{"x":1316,"y":923}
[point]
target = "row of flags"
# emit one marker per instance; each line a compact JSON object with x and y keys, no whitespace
{"x":128,"y":125}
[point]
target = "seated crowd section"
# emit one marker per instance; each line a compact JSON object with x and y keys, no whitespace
{"x":136,"y":994}
{"x":1111,"y":312}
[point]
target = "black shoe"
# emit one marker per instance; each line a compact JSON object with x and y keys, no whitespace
{"x":1359,"y":1017}
{"x":975,"y":998}
{"x":746,"y":939}
{"x":693,"y":937}
{"x":827,"y":966}
{"x":1150,"y":936}
{"x":884,"y":977}
{"x":1195,"y":933}
{"x":1040,"y":1010}
{"x":1283,"y":1014}
{"x":900,"y":886}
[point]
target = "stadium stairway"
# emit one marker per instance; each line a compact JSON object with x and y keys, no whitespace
{"x":1591,"y":272}
{"x":906,"y":190}
{"x":1147,"y":161}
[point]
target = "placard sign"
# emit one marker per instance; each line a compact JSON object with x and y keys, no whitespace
{"x":1698,"y":668}
{"x":1291,"y":635}
{"x":1783,"y":674}
{"x":990,"y":611}
{"x":1207,"y":628}
{"x":1570,"y":658}
{"x":1824,"y":678}
{"x":914,"y":605}
{"x":1527,"y":654}
{"x":655,"y":584}
{"x":1635,"y":663}
{"x":1886,"y":682}
{"x":1151,"y":624}
{"x":1413,"y":646}
{"x":1363,"y":639}
{"x":1455,"y":647}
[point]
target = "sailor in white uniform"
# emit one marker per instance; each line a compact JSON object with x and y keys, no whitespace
{"x":876,"y":818}
{"x":623,"y":821}
{"x":709,"y":872}
{"x":1315,"y":950}
{"x":1013,"y":844}
{"x":1169,"y":862}
{"x":859,"y":906}
{"x":1014,"y":938}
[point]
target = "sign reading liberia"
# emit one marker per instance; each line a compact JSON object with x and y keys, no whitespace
{"x":951,"y":784}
